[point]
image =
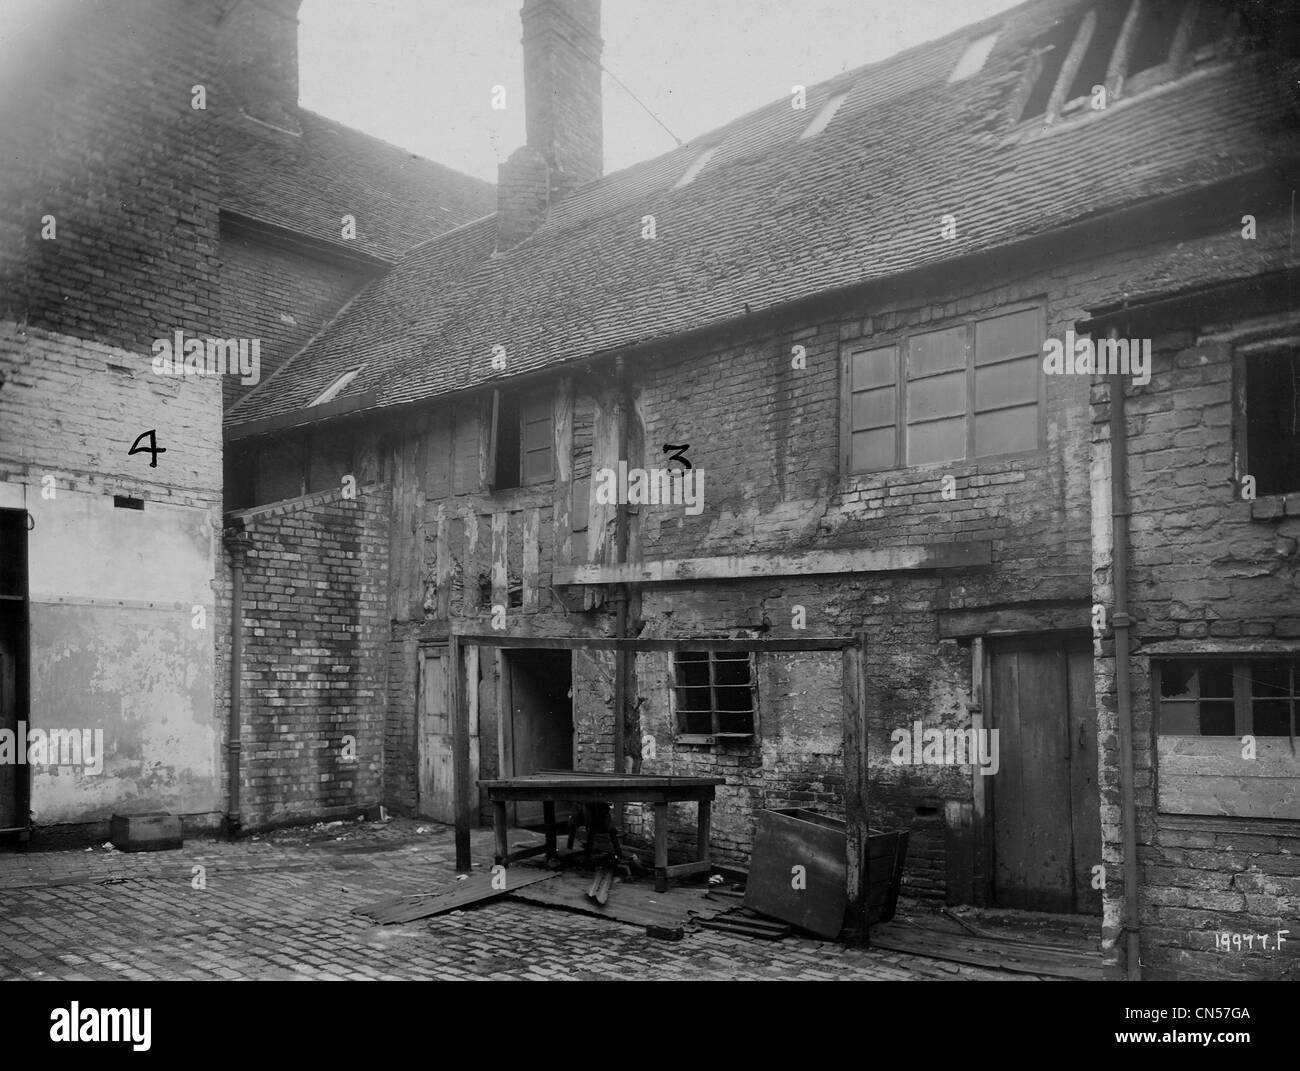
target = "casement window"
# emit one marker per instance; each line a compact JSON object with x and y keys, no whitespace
{"x":1226,"y":697}
{"x":1225,"y":735}
{"x":1124,"y":48}
{"x":714,"y":693}
{"x":522,"y":438}
{"x":1268,"y":419}
{"x":967,"y":391}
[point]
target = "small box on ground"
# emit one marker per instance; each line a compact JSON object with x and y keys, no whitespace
{"x":156,"y":831}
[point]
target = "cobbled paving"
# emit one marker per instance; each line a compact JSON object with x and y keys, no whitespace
{"x":279,"y":907}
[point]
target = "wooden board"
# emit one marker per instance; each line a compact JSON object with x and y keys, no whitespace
{"x":1207,"y":775}
{"x":475,"y":889}
{"x":635,"y":903}
{"x":1021,"y":957}
{"x":765,"y":566}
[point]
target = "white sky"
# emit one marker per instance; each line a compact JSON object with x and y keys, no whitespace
{"x":419,"y":73}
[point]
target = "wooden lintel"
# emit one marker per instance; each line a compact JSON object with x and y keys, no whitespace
{"x":1030,"y":618}
{"x":610,"y":643}
{"x":765,"y":566}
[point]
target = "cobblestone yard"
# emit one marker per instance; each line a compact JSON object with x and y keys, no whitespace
{"x":279,"y":907}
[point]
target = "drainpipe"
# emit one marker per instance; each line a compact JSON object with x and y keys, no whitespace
{"x":238,"y":545}
{"x":620,"y":595}
{"x":1119,"y":512}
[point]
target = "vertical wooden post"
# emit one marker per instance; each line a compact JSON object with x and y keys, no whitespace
{"x":460,"y":751}
{"x":500,"y":566}
{"x":980,"y":887}
{"x":562,"y":510}
{"x":855,"y":785}
{"x":443,"y":576}
{"x":532,"y":557}
{"x":469,"y":572}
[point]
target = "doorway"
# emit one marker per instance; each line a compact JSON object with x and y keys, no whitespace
{"x":1046,"y":805}
{"x":14,"y":659}
{"x":537,"y":721}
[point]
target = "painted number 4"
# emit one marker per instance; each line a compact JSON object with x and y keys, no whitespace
{"x":152,"y":449}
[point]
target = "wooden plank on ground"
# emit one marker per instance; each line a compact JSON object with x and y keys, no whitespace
{"x":635,"y":903}
{"x":1021,"y":957}
{"x":475,"y":889}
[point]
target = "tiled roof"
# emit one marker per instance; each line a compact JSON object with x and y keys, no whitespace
{"x":773,"y":218}
{"x":309,"y":183}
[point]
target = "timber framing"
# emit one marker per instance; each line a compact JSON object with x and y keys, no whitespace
{"x":962,"y":555}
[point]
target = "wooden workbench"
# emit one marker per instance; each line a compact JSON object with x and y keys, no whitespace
{"x":575,"y":786}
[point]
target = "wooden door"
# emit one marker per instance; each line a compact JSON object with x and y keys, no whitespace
{"x":1046,"y":806}
{"x":436,"y":787}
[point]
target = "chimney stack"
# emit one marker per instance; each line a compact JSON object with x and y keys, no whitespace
{"x":258,"y":45}
{"x":562,"y":102}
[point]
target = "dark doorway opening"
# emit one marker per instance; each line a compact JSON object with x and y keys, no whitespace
{"x":539,"y":727}
{"x":14,"y":662}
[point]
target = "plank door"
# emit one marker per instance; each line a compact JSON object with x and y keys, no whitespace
{"x":436,"y":792}
{"x":1045,"y":801}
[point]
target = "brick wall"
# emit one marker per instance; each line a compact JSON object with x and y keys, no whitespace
{"x":1208,"y":573}
{"x":278,"y":296}
{"x":97,"y":132}
{"x":315,"y":661}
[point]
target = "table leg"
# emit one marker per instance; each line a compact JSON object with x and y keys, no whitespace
{"x":499,"y":827}
{"x":548,"y":813}
{"x":661,"y":847}
{"x":703,"y":824}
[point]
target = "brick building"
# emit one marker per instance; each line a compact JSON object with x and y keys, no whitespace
{"x":197,"y":198}
{"x":800,"y":297}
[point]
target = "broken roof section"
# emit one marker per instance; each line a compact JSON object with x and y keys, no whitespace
{"x":775,"y":218}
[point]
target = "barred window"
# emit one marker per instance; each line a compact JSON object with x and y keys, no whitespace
{"x":714,"y":693}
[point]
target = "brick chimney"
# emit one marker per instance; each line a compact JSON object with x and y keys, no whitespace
{"x":258,"y":50}
{"x":562,"y":101}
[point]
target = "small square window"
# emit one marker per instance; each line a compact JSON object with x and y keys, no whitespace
{"x":714,"y":694}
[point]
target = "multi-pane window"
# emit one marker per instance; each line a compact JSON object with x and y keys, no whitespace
{"x":1123,"y":47}
{"x":1228,"y":697}
{"x":522,"y":439}
{"x":967,"y":391}
{"x":714,"y":692}
{"x":1268,"y":441}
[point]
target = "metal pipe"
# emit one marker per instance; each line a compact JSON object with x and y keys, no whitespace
{"x":238,"y":545}
{"x":1124,"y":706}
